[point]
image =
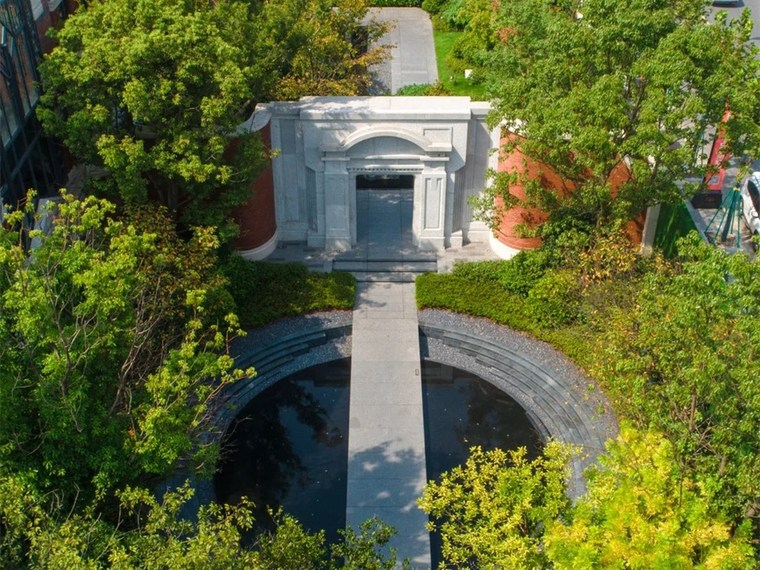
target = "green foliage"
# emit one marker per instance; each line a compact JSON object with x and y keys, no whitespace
{"x":265,"y":291}
{"x":590,"y":83}
{"x":686,"y":363}
{"x":491,"y":512}
{"x":154,"y":90}
{"x":290,"y":546}
{"x":165,"y":132}
{"x":109,"y":334}
{"x":318,"y":47}
{"x":451,"y":69}
{"x":362,"y":550}
{"x":397,"y":3}
{"x":672,"y":342}
{"x":423,"y":90}
{"x":500,"y":510}
{"x":640,"y":511}
{"x":483,"y":299}
{"x":555,"y":298}
{"x":150,"y":533}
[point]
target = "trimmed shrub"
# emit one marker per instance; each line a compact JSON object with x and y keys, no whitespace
{"x":465,"y":295}
{"x":555,"y":299}
{"x":479,"y":271}
{"x":437,"y":89}
{"x":516,"y":275}
{"x":520,"y":274}
{"x":265,"y":291}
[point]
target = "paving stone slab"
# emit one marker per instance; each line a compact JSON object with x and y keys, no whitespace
{"x":386,"y":439}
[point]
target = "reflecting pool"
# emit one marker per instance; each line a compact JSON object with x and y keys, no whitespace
{"x":461,"y":411}
{"x":289,"y":446}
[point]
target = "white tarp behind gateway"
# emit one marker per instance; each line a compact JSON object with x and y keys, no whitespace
{"x":320,"y":145}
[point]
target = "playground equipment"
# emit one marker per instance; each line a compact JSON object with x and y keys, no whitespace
{"x":725,"y":225}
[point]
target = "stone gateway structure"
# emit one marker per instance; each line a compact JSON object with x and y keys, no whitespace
{"x":323,"y":148}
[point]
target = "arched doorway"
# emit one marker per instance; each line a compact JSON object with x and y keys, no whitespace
{"x":384,"y":212}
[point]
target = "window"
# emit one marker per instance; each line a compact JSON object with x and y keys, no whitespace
{"x":37,"y":8}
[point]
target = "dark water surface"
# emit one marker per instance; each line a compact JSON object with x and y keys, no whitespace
{"x":461,"y":411}
{"x":289,"y":446}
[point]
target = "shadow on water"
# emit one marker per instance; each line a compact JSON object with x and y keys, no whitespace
{"x":288,"y":448}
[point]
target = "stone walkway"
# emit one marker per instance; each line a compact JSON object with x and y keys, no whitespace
{"x":386,"y":436}
{"x":412,"y":58}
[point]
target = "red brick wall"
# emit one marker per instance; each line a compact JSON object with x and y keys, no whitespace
{"x":507,"y":232}
{"x":256,"y":217}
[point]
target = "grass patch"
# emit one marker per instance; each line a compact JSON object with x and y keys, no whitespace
{"x":264,"y":292}
{"x":452,"y":80}
{"x":674,"y":223}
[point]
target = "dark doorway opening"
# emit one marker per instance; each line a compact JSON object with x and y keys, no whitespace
{"x":385,"y":182}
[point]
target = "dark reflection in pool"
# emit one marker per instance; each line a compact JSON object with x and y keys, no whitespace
{"x":461,"y":411}
{"x":289,"y":448}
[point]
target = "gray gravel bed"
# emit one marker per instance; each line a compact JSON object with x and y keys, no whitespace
{"x":560,"y":399}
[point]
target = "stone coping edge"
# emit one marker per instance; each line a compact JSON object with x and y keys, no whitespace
{"x":561,"y":401}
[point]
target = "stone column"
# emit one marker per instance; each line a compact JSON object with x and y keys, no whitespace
{"x":430,"y":208}
{"x":337,"y":204}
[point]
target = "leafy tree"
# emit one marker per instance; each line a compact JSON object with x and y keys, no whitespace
{"x":592,"y":88}
{"x":491,"y":512}
{"x":153,"y":90}
{"x":685,"y":361}
{"x":114,"y":337}
{"x":109,"y":334}
{"x":640,"y":511}
{"x":319,"y":47}
{"x":153,"y":534}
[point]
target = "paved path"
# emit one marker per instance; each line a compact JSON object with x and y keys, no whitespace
{"x":386,"y":436}
{"x":412,"y":57}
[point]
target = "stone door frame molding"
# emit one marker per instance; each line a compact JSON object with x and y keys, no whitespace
{"x":427,"y":162}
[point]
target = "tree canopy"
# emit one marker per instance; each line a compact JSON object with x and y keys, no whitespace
{"x":590,"y":85}
{"x":685,"y":361}
{"x":110,"y":333}
{"x":153,"y":90}
{"x":640,"y":511}
{"x":114,"y":337}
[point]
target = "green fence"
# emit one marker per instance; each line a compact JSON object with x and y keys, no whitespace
{"x":674,"y":222}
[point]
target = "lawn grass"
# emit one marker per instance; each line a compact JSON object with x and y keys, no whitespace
{"x":454,"y":82}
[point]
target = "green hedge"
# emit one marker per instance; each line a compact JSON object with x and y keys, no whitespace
{"x":264,"y":292}
{"x":397,"y":3}
{"x":473,"y":297}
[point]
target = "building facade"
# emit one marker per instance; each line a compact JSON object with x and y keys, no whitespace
{"x":324,"y":148}
{"x":27,"y":159}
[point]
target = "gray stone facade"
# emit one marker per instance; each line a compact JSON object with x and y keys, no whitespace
{"x":321,"y":144}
